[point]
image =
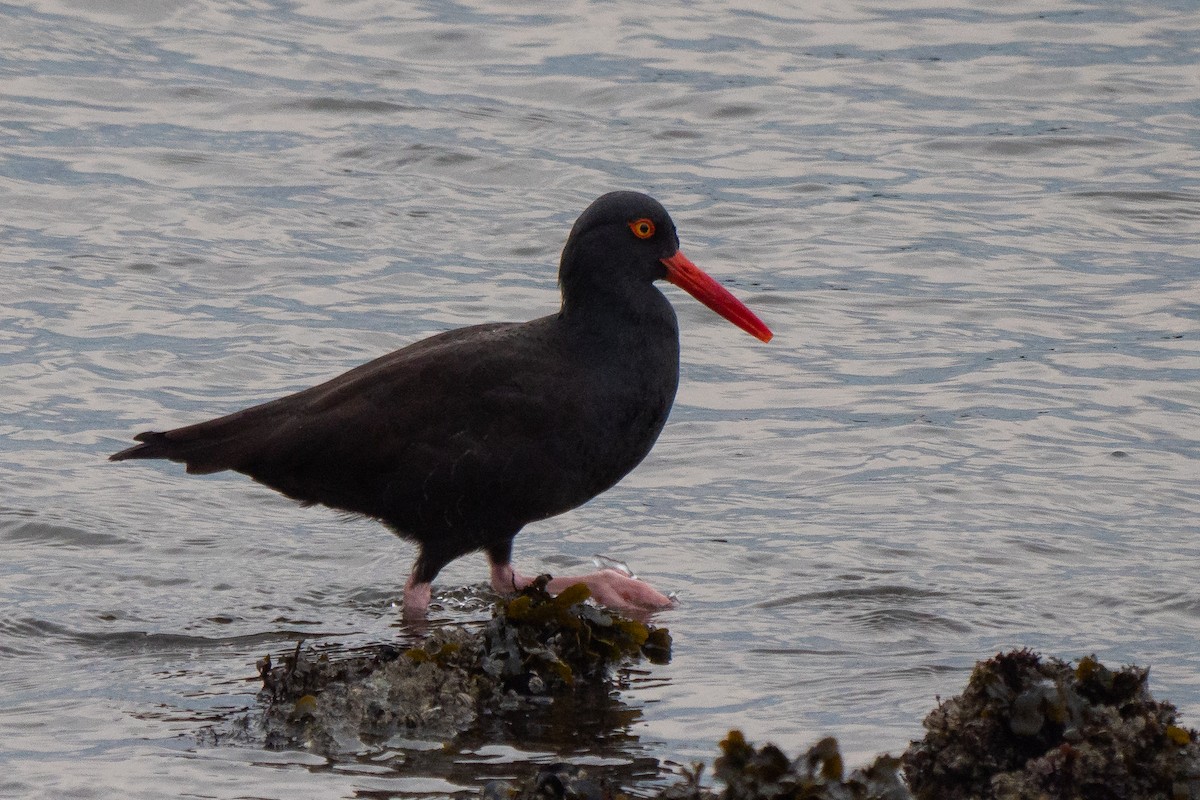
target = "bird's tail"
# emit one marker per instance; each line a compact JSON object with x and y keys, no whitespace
{"x":153,"y":445}
{"x":218,"y":444}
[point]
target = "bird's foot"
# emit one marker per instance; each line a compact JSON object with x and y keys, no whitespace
{"x":609,"y":586}
{"x":615,"y":589}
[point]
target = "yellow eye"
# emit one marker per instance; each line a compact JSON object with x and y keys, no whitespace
{"x":642,"y":228}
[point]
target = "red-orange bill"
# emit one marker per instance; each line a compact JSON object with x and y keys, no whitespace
{"x":687,"y":276}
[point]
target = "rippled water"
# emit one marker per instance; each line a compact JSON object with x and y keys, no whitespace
{"x":973,"y":226}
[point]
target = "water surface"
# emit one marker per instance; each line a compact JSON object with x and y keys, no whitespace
{"x":973,"y":228}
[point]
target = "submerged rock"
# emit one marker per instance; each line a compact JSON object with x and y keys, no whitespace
{"x":555,"y":782}
{"x":748,"y":773}
{"x":1029,"y":728}
{"x":765,"y":773}
{"x":535,"y":647}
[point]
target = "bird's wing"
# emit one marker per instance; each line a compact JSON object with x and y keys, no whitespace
{"x":454,"y":417}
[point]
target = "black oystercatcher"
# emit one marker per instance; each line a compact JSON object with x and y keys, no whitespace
{"x":458,"y":441}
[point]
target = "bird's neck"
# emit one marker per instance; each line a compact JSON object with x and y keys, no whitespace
{"x":631,"y":313}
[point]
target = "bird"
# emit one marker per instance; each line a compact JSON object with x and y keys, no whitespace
{"x":458,"y":441}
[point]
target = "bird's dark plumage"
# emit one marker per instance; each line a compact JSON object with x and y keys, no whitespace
{"x":457,"y":441}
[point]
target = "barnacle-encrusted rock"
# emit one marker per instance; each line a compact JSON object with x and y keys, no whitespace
{"x":1028,"y":728}
{"x":534,"y":647}
{"x":1024,"y":728}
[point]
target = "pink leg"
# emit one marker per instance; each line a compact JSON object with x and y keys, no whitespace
{"x":609,"y":587}
{"x":416,"y":598}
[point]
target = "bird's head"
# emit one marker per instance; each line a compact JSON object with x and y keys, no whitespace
{"x":624,"y":242}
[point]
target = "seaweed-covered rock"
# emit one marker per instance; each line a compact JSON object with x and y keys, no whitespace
{"x":1024,"y":728}
{"x":535,"y":647}
{"x":1028,"y":728}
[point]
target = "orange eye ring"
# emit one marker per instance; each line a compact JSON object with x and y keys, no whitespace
{"x":642,"y":228}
